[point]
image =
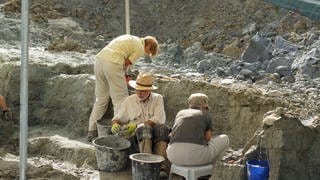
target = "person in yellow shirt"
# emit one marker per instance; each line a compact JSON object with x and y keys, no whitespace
{"x":110,"y":67}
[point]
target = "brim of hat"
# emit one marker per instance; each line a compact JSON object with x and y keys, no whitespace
{"x":134,"y":85}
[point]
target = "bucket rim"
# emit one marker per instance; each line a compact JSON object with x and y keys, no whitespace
{"x":258,"y":163}
{"x":128,"y":144}
{"x":100,"y":122}
{"x":132,"y":157}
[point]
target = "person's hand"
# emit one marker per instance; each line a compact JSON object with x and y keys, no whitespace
{"x":129,"y":129}
{"x":127,"y":63}
{"x":150,"y":123}
{"x":115,"y":128}
{"x":128,"y":78}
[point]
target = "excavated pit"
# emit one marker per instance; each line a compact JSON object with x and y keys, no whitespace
{"x":65,"y":36}
{"x":58,"y":118}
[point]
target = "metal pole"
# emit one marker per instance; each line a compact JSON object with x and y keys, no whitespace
{"x":127,"y":17}
{"x":24,"y":89}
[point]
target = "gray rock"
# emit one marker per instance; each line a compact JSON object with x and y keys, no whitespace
{"x":283,"y":70}
{"x":246,"y":73}
{"x":278,"y":61}
{"x":203,"y":65}
{"x":193,"y":54}
{"x":258,"y":50}
{"x":250,"y":28}
{"x":221,"y":72}
{"x":308,"y":64}
{"x":281,"y":43}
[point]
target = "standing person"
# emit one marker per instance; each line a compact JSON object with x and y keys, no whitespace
{"x":110,"y":68}
{"x":142,"y":117}
{"x":191,"y":141}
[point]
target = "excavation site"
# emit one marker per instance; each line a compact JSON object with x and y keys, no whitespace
{"x":257,"y":62}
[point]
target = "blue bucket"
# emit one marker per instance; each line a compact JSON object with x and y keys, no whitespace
{"x":258,"y":169}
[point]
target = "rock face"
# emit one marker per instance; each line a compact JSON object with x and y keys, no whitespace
{"x":293,"y":149}
{"x":66,"y":99}
{"x":235,"y":107}
{"x":53,"y":93}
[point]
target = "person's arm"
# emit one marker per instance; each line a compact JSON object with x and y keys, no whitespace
{"x":209,"y":131}
{"x":124,"y":113}
{"x":3,"y":105}
{"x":127,"y":63}
{"x":208,"y":135}
{"x":6,"y":114}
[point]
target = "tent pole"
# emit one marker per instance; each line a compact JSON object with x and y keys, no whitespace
{"x":24,"y":89}
{"x":127,"y":17}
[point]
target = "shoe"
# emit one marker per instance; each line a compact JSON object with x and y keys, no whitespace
{"x":163,"y":175}
{"x":204,"y":177}
{"x":92,"y":135}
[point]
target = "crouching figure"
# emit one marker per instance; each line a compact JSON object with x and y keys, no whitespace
{"x":191,"y":139}
{"x":141,"y":119}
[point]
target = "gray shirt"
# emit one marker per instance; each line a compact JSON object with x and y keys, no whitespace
{"x":190,"y":126}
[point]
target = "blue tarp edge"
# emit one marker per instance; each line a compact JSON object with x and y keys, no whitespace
{"x":309,"y":8}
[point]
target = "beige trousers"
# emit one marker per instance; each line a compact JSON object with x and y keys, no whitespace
{"x":145,"y":146}
{"x":195,"y":154}
{"x":110,"y":82}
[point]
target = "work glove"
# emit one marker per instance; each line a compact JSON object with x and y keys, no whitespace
{"x":129,"y":129}
{"x":115,"y":128}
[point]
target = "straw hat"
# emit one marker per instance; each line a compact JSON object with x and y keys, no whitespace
{"x":144,"y":82}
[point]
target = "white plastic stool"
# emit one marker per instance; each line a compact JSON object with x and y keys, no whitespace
{"x":191,"y":172}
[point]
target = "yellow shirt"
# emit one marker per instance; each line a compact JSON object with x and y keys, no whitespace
{"x":122,"y":47}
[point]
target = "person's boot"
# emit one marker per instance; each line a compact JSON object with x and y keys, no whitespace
{"x":92,"y":135}
{"x":204,"y":177}
{"x":163,"y":174}
{"x":160,"y":149}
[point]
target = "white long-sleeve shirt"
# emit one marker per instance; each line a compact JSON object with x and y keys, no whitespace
{"x":132,"y":109}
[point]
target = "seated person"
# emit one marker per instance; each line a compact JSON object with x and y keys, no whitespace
{"x":142,"y":116}
{"x":191,"y":141}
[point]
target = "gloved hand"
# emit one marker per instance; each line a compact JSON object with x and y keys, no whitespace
{"x":129,"y":129}
{"x":115,"y":128}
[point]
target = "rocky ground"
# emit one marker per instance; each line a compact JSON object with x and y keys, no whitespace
{"x":247,"y":43}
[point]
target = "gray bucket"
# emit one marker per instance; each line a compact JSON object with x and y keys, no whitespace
{"x":146,"y":166}
{"x":112,"y":153}
{"x":104,"y":127}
